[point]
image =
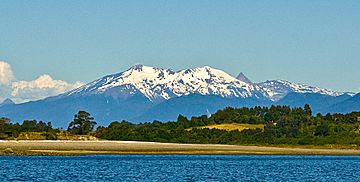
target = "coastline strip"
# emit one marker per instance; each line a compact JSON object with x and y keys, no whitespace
{"x":65,"y":147}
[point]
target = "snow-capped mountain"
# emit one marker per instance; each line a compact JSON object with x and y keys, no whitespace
{"x":144,"y":93}
{"x":278,"y":89}
{"x":163,"y":84}
{"x":159,"y":84}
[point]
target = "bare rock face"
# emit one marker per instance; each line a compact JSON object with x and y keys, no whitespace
{"x":243,"y":78}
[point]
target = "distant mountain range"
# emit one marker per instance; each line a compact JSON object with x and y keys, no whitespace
{"x":144,"y":93}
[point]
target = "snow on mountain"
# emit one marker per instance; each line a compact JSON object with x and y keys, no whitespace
{"x":277,"y":89}
{"x":158,"y":83}
{"x":162,"y":84}
{"x":144,"y":93}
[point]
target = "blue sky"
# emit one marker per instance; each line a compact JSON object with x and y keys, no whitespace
{"x":315,"y":42}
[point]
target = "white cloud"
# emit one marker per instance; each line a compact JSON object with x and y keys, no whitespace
{"x":23,"y":91}
{"x":6,"y":74}
{"x":6,"y":77}
{"x":40,"y":88}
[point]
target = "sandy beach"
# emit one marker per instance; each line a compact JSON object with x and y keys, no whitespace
{"x":45,"y":147}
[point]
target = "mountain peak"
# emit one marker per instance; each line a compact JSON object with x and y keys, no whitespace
{"x":159,"y":84}
{"x":278,"y":89}
{"x":140,"y":67}
{"x":7,"y":102}
{"x":201,"y":68}
{"x":243,"y":78}
{"x":207,"y":67}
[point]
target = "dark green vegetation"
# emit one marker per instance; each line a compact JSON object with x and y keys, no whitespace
{"x":11,"y":131}
{"x":82,"y":124}
{"x":282,"y":125}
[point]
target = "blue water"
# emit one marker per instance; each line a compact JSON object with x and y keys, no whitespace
{"x":180,"y":168}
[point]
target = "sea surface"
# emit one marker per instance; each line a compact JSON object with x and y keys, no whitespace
{"x":180,"y":168}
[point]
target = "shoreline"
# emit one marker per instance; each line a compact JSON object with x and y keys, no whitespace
{"x":66,"y":148}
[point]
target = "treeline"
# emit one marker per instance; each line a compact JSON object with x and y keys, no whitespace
{"x":9,"y":130}
{"x":82,"y":124}
{"x":282,"y":125}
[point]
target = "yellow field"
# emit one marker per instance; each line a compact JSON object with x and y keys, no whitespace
{"x":234,"y":126}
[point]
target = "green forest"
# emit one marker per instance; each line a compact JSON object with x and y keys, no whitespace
{"x":282,"y":125}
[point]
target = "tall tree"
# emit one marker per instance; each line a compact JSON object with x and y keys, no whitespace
{"x":307,"y":109}
{"x":82,"y":124}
